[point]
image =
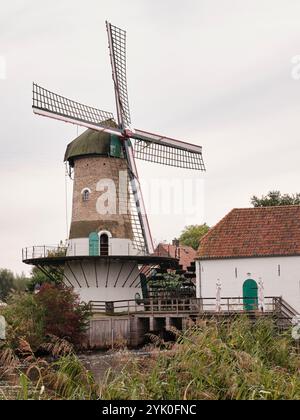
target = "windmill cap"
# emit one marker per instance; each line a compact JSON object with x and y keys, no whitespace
{"x":90,"y":143}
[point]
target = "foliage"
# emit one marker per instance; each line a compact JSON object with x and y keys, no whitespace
{"x":275,"y":198}
{"x":66,"y":379}
{"x":169,"y":281}
{"x":65,"y":317}
{"x":54,"y":311}
{"x":20,"y":283}
{"x":6,"y":283}
{"x":25,"y":319}
{"x":9,"y":282}
{"x":39,"y":278}
{"x":192,"y":235}
{"x":240,"y":361}
{"x":209,"y":361}
{"x":71,"y":381}
{"x":171,"y":284}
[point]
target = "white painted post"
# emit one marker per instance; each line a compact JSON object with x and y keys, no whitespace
{"x":218,"y":296}
{"x":2,"y":328}
{"x":261,"y":295}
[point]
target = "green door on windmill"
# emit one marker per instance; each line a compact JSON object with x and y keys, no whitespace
{"x":250,"y":295}
{"x":115,"y":146}
{"x":94,"y":244}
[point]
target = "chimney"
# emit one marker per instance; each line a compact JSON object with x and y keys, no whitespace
{"x":176,"y":243}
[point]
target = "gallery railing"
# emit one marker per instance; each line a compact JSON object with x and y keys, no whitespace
{"x":182,"y":306}
{"x":45,"y":251}
{"x":74,"y":250}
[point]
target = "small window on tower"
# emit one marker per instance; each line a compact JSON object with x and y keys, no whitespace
{"x":86,"y":195}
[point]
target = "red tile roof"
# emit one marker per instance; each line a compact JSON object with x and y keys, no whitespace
{"x":185,"y":254}
{"x":255,"y":232}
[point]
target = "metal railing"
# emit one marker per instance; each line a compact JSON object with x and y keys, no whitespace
{"x":184,"y":306}
{"x":74,"y":249}
{"x":44,"y":251}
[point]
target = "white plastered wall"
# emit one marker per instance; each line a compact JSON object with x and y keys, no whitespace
{"x":104,"y":280}
{"x":117,"y":247}
{"x":281,"y":277}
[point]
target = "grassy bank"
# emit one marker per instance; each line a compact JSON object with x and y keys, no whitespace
{"x":236,"y":361}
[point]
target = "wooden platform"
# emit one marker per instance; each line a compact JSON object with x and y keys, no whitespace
{"x":126,"y":323}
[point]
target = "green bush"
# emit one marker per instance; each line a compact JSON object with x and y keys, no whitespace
{"x":55,"y":310}
{"x":65,"y":317}
{"x":25,"y":318}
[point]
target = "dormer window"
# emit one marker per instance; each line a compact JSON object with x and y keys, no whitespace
{"x":86,"y":193}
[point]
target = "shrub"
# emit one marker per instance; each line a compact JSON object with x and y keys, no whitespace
{"x":65,"y":317}
{"x":54,"y":311}
{"x":25,"y":318}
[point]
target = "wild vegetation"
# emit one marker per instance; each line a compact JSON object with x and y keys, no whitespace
{"x":233,"y":361}
{"x":276,"y":198}
{"x":9,"y":282}
{"x":54,"y":311}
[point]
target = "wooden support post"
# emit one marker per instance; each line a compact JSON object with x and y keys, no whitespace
{"x":112,"y":334}
{"x":151,"y":323}
{"x":168,"y":323}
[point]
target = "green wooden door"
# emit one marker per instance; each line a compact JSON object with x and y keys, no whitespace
{"x":94,"y":244}
{"x":115,"y":146}
{"x":250,"y":295}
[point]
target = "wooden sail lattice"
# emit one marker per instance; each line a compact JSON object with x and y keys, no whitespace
{"x":45,"y":100}
{"x":169,"y":156}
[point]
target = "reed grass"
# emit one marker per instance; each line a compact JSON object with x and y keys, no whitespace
{"x":210,"y":361}
{"x":236,"y":361}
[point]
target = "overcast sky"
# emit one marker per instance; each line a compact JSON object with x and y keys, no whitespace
{"x":214,"y":72}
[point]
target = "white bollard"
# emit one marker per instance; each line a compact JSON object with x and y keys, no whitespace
{"x":2,"y":328}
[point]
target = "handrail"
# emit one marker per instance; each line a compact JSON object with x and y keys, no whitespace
{"x":240,"y":298}
{"x":74,"y":249}
{"x":180,"y":305}
{"x":289,"y":308}
{"x":44,"y":251}
{"x":285,"y":308}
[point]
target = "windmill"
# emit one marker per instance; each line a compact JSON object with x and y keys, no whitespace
{"x":116,"y":145}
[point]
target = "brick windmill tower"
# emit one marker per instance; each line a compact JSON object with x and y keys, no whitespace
{"x":110,"y":242}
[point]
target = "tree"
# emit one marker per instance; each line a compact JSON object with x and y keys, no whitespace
{"x":37,"y":277}
{"x":275,"y":198}
{"x":20,"y":282}
{"x":40,"y":278}
{"x":7,"y":279}
{"x":9,"y":282}
{"x":55,"y":310}
{"x":65,"y":316}
{"x":192,"y":235}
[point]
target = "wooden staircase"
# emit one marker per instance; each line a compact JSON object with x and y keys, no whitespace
{"x":284,"y":313}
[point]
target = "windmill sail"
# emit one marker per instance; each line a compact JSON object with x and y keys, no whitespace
{"x":148,"y":146}
{"x":138,"y":199}
{"x":167,"y":151}
{"x":50,"y":104}
{"x":117,"y":47}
